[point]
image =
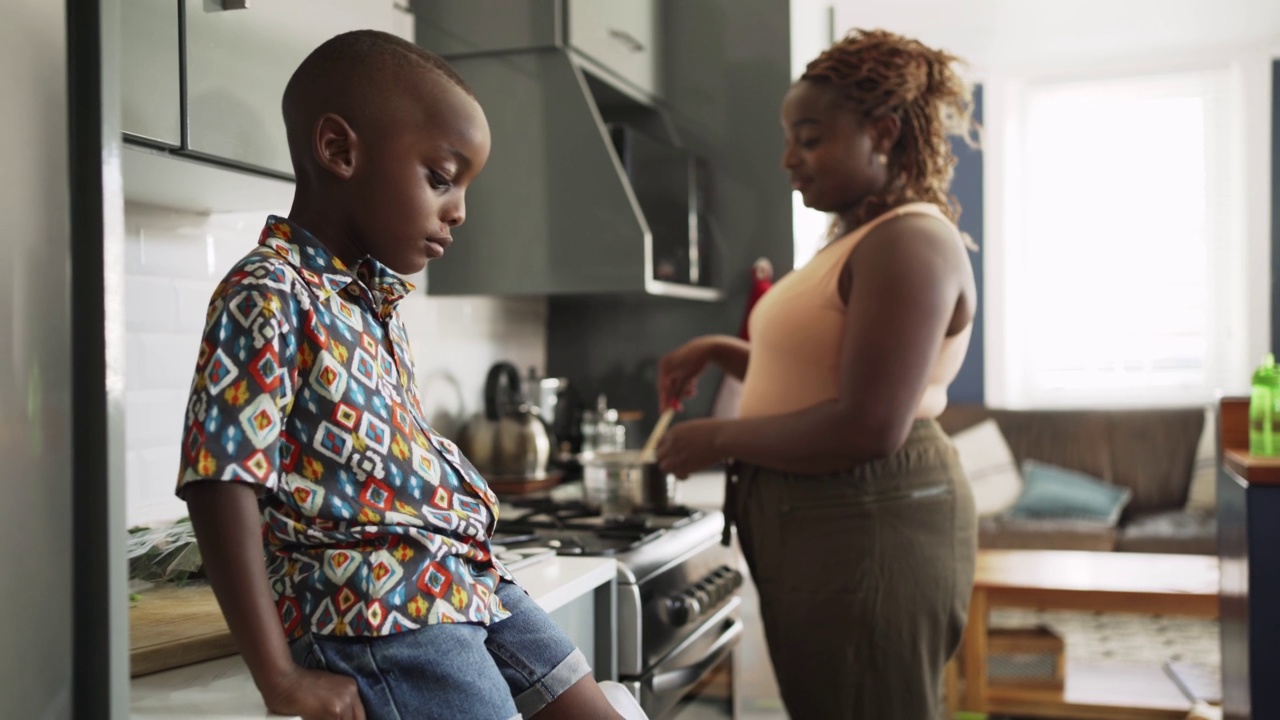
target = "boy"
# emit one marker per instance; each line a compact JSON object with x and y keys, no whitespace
{"x":305,"y":434}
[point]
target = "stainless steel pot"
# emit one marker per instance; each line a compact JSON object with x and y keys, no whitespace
{"x":622,"y":483}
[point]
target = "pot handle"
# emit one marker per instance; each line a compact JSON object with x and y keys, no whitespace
{"x":492,"y":387}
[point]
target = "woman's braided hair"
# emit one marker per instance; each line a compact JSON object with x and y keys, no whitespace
{"x":879,"y":73}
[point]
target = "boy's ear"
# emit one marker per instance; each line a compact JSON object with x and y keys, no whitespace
{"x":335,"y":145}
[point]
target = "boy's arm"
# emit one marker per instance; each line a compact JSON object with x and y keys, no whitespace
{"x":229,"y":533}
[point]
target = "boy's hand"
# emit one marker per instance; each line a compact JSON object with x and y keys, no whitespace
{"x":315,"y":695}
{"x":229,"y":531}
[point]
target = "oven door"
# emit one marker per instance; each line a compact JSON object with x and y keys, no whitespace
{"x":696,"y":679}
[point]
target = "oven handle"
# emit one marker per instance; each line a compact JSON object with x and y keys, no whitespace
{"x":686,"y":676}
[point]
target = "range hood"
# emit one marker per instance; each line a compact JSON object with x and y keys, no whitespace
{"x":555,"y":211}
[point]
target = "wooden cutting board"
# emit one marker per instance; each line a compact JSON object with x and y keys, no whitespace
{"x":175,"y":626}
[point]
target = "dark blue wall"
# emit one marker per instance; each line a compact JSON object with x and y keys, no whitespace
{"x":967,"y":187}
{"x":1275,"y":206}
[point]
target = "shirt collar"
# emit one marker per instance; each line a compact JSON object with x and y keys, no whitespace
{"x":325,"y":272}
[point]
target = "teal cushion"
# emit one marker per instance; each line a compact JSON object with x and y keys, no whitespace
{"x":1053,"y":492}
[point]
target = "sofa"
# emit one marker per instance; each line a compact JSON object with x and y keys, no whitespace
{"x":1155,"y":453}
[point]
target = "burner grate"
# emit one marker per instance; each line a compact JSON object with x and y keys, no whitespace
{"x":574,"y":529}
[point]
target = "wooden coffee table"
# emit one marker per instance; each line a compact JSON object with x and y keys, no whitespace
{"x":1184,"y":585}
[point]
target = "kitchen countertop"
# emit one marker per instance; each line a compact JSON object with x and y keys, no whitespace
{"x":223,"y":689}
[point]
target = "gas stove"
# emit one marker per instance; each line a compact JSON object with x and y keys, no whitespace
{"x":677,"y":588}
{"x":573,"y":529}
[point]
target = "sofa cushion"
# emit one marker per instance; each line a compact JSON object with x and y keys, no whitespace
{"x":1054,"y":492}
{"x":1153,"y":452}
{"x":1173,"y":531}
{"x":1203,"y":492}
{"x":989,"y":466}
{"x":1006,"y":533}
{"x":1149,"y":451}
{"x":1072,"y":439}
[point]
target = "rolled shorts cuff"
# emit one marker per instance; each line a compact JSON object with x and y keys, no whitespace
{"x":553,"y":684}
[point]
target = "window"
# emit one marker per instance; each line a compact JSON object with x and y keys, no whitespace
{"x":1120,"y":242}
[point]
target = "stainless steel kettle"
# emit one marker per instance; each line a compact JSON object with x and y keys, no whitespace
{"x":509,"y":439}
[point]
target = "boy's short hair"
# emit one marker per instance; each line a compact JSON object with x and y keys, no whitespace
{"x":355,"y":62}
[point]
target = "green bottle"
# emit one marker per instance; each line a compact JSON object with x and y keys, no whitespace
{"x":1264,"y":436}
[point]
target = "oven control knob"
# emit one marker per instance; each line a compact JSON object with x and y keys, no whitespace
{"x":703,"y":595}
{"x":725,"y":581}
{"x":682,"y":609}
{"x":719,"y":589}
{"x":707,"y":588}
{"x":729,"y":579}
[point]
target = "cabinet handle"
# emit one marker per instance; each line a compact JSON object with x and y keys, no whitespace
{"x":627,"y":39}
{"x":217,"y":5}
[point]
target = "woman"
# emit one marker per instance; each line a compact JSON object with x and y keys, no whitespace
{"x":852,"y":511}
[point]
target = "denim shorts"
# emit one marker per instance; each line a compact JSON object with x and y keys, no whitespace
{"x":509,"y":669}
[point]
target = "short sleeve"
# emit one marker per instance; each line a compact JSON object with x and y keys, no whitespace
{"x":245,"y":381}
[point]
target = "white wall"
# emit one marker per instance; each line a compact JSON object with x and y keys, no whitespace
{"x":811,"y":33}
{"x":174,"y":260}
{"x":1019,"y":37}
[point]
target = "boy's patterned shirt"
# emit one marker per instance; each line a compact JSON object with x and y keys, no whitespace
{"x":372,"y":523}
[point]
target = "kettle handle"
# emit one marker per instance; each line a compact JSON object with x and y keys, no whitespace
{"x":492,"y":387}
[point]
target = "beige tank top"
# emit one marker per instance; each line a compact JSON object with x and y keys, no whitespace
{"x":796,"y":330}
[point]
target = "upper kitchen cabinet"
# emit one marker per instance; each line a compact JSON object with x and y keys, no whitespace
{"x":621,"y":36}
{"x":150,"y":81}
{"x":588,"y":190}
{"x":488,"y":26}
{"x":577,"y":199}
{"x":618,"y":40}
{"x":239,"y":60}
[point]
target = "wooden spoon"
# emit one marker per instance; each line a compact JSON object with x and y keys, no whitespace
{"x":651,"y":445}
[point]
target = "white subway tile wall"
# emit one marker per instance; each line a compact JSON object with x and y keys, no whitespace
{"x":173,"y":262}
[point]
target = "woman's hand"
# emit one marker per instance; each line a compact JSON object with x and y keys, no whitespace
{"x":689,"y":447}
{"x":679,"y":370}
